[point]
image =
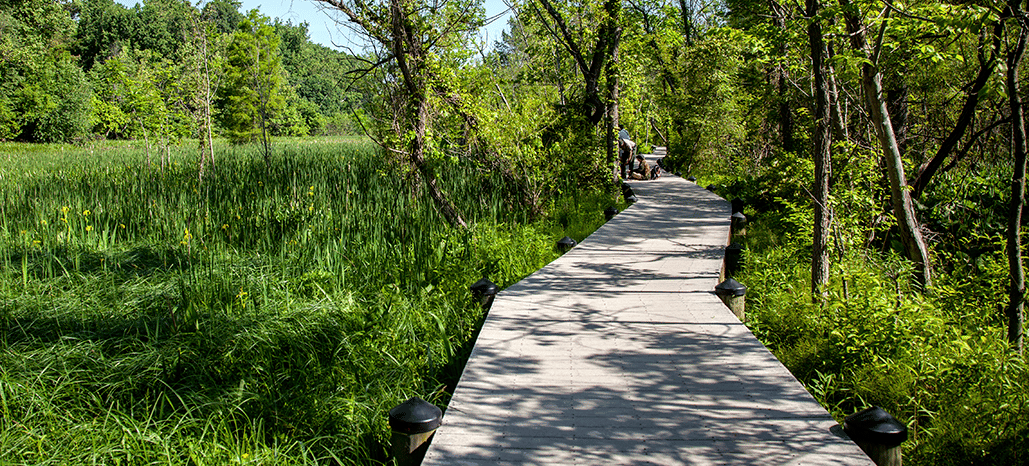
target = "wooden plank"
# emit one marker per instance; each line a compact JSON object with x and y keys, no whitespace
{"x":618,"y":353}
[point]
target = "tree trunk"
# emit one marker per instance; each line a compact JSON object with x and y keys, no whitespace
{"x":820,"y":152}
{"x":204,"y":92}
{"x":903,"y":208}
{"x":686,"y":11}
{"x":1016,"y":292}
{"x":612,"y":71}
{"x":897,"y":104}
{"x":417,"y":159}
{"x":839,"y":128}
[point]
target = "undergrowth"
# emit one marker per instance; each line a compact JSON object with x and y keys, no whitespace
{"x":936,"y":359}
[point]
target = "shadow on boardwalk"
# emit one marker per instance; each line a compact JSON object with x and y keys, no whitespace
{"x":618,"y":353}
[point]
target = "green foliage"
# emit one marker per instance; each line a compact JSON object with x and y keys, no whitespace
{"x":251,"y":96}
{"x":224,"y":15}
{"x":936,"y":361}
{"x":104,"y":29}
{"x":162,"y":26}
{"x":705,"y":112}
{"x":139,"y":96}
{"x":44,"y":96}
{"x":165,"y":54}
{"x":271,"y":314}
{"x":318,"y":78}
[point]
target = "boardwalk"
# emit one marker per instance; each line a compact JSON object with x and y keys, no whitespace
{"x":618,"y":353}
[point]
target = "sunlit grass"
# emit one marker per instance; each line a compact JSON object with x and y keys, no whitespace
{"x":268,"y":314}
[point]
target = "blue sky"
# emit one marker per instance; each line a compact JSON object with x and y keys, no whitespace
{"x":324,"y":31}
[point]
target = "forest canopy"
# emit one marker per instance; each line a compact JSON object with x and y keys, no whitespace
{"x":78,"y":70}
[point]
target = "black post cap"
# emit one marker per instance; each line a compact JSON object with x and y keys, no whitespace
{"x":710,"y":187}
{"x":415,"y":416}
{"x":737,"y":221}
{"x":737,"y":205}
{"x":610,"y":212}
{"x":875,"y":425}
{"x":691,"y":178}
{"x":484,"y":287}
{"x":566,"y":243}
{"x":730,"y":287}
{"x":733,"y":258}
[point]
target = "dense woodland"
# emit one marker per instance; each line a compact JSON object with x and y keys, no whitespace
{"x":163,"y":71}
{"x":879,"y":146}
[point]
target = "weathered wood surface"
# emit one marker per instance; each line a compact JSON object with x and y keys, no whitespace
{"x":619,"y":353}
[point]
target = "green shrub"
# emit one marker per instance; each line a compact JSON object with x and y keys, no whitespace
{"x":937,"y":361}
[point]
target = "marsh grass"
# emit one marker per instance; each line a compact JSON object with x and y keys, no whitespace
{"x":269,"y":314}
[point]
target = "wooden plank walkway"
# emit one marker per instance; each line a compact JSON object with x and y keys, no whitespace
{"x":618,"y":353}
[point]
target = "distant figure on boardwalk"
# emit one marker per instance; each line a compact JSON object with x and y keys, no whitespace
{"x":626,"y":150}
{"x":643,"y":171}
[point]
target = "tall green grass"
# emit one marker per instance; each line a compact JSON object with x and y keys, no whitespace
{"x":270,"y":313}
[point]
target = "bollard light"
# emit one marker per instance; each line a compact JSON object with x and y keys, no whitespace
{"x":738,"y":225}
{"x":737,"y":205}
{"x":566,"y":243}
{"x":691,"y":178}
{"x":610,"y":212}
{"x":733,"y":259}
{"x":878,"y":434}
{"x":484,"y":291}
{"x":730,"y":287}
{"x":631,"y":199}
{"x":413,"y":422}
{"x":627,"y":192}
{"x":733,"y":293}
{"x":710,"y":187}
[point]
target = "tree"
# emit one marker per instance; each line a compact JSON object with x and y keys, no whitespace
{"x":223,"y":15}
{"x":162,"y":26}
{"x":820,"y":153}
{"x":988,"y":58}
{"x":879,"y":115}
{"x":140,"y":95}
{"x":44,"y":96}
{"x":411,"y":38}
{"x":1016,"y":290}
{"x":613,"y":8}
{"x":593,"y":107}
{"x":206,"y":53}
{"x":251,"y":95}
{"x":104,"y":30}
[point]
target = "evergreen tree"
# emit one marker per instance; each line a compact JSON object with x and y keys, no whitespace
{"x":251,"y":96}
